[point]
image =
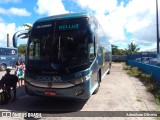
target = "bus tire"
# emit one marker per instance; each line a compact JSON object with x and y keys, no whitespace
{"x":98,"y":80}
{"x":109,"y":71}
{"x":3,"y":67}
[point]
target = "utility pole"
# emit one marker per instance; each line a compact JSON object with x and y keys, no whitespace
{"x":157,"y":25}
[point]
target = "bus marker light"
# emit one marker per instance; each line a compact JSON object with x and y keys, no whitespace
{"x":79,"y":92}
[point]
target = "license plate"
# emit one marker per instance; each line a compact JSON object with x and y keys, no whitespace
{"x":50,"y":93}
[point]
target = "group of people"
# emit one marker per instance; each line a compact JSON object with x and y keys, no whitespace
{"x":9,"y":81}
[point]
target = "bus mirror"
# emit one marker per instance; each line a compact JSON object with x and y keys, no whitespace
{"x":17,"y":35}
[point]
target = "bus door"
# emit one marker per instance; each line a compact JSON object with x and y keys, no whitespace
{"x":94,"y":63}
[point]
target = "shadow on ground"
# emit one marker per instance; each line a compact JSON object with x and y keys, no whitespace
{"x":25,"y":103}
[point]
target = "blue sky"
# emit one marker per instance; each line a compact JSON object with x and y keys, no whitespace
{"x":124,"y":21}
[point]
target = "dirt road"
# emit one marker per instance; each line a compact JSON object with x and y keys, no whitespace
{"x":120,"y":92}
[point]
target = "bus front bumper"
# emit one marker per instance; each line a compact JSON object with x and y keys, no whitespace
{"x":81,"y":91}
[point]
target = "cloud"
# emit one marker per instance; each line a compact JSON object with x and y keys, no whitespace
{"x":50,"y":7}
{"x":15,"y":11}
{"x":1,"y":20}
{"x":6,"y":29}
{"x":136,"y":18}
{"x":10,"y":1}
{"x":141,"y":22}
{"x":10,"y":29}
{"x":98,"y":6}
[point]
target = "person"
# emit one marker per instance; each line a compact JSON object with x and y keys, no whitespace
{"x":18,"y":66}
{"x":9,"y":81}
{"x":19,"y":73}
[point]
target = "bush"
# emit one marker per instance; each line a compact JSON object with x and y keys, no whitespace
{"x":127,"y":67}
{"x":134,"y":72}
{"x":157,"y":97}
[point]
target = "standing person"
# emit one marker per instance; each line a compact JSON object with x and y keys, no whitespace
{"x":23,"y":72}
{"x":19,"y":72}
{"x":18,"y":65}
{"x":9,"y":81}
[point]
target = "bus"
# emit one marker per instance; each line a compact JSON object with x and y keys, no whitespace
{"x":8,"y":58}
{"x":67,"y":56}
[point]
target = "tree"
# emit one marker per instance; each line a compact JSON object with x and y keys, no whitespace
{"x":22,"y":50}
{"x":114,"y":49}
{"x":132,"y":49}
{"x":117,"y":51}
{"x":22,"y":47}
{"x":29,"y":27}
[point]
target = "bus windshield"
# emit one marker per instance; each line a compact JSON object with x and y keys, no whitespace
{"x":58,"y":44}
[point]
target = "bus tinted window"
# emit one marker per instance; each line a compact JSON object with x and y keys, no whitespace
{"x":42,"y":28}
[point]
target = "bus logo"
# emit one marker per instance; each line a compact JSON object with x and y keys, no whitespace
{"x":49,"y":85}
{"x":13,"y":52}
{"x":56,"y":79}
{"x":69,"y":27}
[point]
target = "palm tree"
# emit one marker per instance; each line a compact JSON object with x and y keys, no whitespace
{"x":132,"y":48}
{"x":29,"y":27}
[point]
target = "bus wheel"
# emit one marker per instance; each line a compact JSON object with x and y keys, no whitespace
{"x":109,"y":69}
{"x":3,"y":67}
{"x":98,"y":80}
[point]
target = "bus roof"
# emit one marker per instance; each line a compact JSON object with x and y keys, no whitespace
{"x":65,"y":16}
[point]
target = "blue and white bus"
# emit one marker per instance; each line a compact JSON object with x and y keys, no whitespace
{"x":8,"y":58}
{"x":67,"y":56}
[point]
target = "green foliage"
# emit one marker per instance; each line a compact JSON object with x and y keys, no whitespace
{"x":157,"y":97}
{"x":132,"y":49}
{"x":134,"y":71}
{"x":127,"y":67}
{"x":22,"y":50}
{"x":29,"y":27}
{"x":117,"y":51}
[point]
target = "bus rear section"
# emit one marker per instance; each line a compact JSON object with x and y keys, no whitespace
{"x":64,"y":57}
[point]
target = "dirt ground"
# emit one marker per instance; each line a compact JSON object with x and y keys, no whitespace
{"x":118,"y":92}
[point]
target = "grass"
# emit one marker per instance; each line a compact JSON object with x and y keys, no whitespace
{"x":158,"y":118}
{"x":126,"y":67}
{"x":147,"y":80}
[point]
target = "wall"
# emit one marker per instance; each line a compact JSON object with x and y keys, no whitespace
{"x":147,"y":68}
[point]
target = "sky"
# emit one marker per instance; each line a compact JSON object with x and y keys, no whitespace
{"x":124,"y":21}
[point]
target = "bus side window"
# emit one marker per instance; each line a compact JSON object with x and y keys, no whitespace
{"x":31,"y":46}
{"x":91,"y":51}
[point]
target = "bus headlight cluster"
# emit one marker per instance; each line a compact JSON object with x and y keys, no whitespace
{"x":80,"y":79}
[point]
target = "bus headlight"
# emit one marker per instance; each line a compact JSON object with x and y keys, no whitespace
{"x":80,"y":79}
